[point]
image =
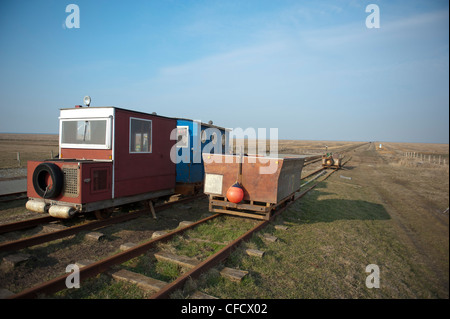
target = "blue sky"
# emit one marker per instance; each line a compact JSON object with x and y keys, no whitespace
{"x":312,"y":69}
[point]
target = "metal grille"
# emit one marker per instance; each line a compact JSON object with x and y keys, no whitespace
{"x":100,"y":179}
{"x":70,"y":181}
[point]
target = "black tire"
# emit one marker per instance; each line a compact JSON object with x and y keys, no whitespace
{"x":39,"y":182}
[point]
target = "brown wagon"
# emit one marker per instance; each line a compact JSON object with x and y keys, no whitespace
{"x":268,"y":182}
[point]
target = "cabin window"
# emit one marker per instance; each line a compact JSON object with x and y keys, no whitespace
{"x":85,"y":133}
{"x":214,"y":138}
{"x":140,"y":136}
{"x":203,"y":136}
{"x":182,"y":136}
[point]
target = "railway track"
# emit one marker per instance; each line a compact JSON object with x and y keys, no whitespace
{"x":94,"y":225}
{"x":15,"y":226}
{"x":312,"y":159}
{"x":4,"y":198}
{"x":222,"y":254}
{"x":24,"y":224}
{"x":104,"y":265}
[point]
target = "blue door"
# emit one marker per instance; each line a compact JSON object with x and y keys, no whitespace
{"x":189,"y":168}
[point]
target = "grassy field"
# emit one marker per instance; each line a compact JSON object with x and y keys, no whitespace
{"x":381,"y":209}
{"x":387,"y":214}
{"x":30,"y":146}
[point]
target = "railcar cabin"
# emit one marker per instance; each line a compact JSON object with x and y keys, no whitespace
{"x":108,"y":157}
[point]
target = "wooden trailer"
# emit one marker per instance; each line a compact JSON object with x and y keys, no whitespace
{"x":267,"y":182}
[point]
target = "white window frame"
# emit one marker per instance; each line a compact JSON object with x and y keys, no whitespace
{"x":214,"y":137}
{"x":106,"y":146}
{"x":187,"y":136}
{"x":203,"y":137}
{"x":151,"y":136}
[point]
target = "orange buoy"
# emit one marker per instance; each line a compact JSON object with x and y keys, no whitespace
{"x":235,"y":193}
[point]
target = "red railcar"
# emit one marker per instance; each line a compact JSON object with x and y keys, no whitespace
{"x":108,"y":157}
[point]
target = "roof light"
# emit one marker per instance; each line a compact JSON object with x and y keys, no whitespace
{"x":87,"y":100}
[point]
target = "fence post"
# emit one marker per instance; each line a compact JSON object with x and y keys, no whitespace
{"x":18,"y":158}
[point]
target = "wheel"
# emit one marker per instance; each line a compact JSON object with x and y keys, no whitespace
{"x":104,"y":213}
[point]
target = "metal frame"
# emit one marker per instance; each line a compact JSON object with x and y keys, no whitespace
{"x":89,"y":113}
{"x":250,"y":209}
{"x":188,"y":143}
{"x":114,"y":202}
{"x":151,"y":136}
{"x":105,"y":146}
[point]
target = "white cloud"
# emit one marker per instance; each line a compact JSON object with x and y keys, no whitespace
{"x":307,"y":74}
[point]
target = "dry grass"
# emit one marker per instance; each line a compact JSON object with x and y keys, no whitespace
{"x":313,"y":147}
{"x":300,"y":147}
{"x":389,"y":213}
{"x":426,"y":148}
{"x":30,"y":146}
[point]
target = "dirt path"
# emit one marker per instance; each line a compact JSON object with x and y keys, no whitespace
{"x":415,"y":200}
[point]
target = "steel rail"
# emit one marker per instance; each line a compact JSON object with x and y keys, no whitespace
{"x":101,"y":266}
{"x":43,"y":238}
{"x":59,"y":283}
{"x":311,"y":174}
{"x":222,"y":254}
{"x":312,"y":161}
{"x":28,"y":223}
{"x":206,"y":264}
{"x":5,"y":197}
{"x":312,"y":158}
